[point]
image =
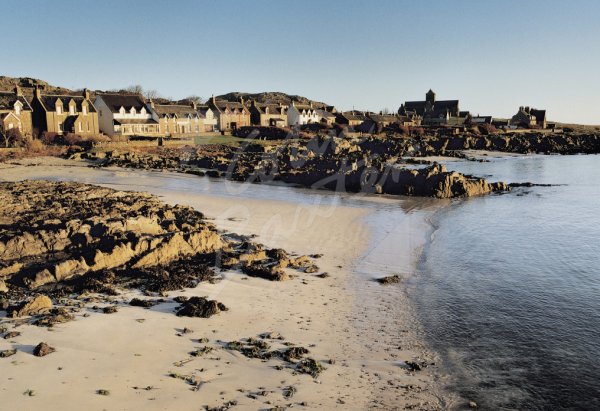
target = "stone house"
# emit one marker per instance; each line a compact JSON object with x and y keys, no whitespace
{"x":326,"y":117}
{"x":178,"y":119}
{"x":268,"y":115}
{"x":207,"y":118}
{"x":300,"y":114}
{"x":230,"y":114}
{"x":64,"y":114}
{"x":15,"y":112}
{"x":126,"y":114}
{"x":351,"y":118}
{"x":529,"y":117}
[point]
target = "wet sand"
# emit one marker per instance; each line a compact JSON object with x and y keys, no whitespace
{"x":367,"y":330}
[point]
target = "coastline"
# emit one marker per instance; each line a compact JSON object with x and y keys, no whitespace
{"x":334,"y":316}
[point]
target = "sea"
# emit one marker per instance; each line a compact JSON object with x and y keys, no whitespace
{"x":508,"y":286}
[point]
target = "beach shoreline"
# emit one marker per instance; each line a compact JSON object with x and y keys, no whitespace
{"x":334,"y":316}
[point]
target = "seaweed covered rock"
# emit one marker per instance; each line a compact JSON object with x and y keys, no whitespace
{"x":200,"y":307}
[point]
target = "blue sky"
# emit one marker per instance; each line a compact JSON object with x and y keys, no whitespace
{"x":492,"y":55}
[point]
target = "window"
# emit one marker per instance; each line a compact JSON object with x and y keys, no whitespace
{"x":18,"y":108}
{"x":88,"y":127}
{"x":72,"y":110}
{"x":58,"y":109}
{"x":59,"y":126}
{"x":84,"y":110}
{"x":80,"y":128}
{"x":10,"y":126}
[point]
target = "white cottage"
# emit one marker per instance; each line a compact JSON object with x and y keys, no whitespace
{"x":300,"y":114}
{"x":126,"y":114}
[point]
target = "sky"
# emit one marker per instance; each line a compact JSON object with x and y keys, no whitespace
{"x":492,"y":55}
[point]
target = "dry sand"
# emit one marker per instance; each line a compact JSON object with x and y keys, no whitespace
{"x":367,"y":330}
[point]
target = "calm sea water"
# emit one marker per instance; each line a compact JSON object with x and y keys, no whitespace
{"x":509,"y":286}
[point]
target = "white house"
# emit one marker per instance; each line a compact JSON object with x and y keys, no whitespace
{"x":207,"y":118}
{"x":126,"y":114}
{"x":299,"y":114}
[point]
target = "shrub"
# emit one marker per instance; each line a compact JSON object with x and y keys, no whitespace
{"x":13,"y":138}
{"x":34,"y":145}
{"x":117,"y":138}
{"x":50,"y":137}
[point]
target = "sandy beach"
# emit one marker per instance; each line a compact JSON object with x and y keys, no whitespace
{"x":361,"y":331}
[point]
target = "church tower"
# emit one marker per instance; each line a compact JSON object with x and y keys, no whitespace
{"x":430,"y":96}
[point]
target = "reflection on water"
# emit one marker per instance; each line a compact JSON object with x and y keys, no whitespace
{"x":509,"y":287}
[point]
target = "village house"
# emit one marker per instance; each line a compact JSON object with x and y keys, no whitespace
{"x":529,"y":117}
{"x":230,"y":114}
{"x":432,"y":111}
{"x":15,"y":112}
{"x":268,"y":115}
{"x":300,"y":114}
{"x":376,"y":122}
{"x":126,"y":114}
{"x":351,"y":118}
{"x":178,"y":119}
{"x":64,"y":114}
{"x":326,"y":117}
{"x":208,"y":119}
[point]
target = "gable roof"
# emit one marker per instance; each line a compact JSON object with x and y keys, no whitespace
{"x":127,"y":101}
{"x":8,"y":100}
{"x":324,"y":113}
{"x":49,"y":102}
{"x":273,"y":108}
{"x":172,"y":110}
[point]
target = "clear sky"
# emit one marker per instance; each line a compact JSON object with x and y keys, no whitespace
{"x":492,"y":55}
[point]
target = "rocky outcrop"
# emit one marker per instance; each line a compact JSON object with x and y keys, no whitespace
{"x":359,"y":165}
{"x":59,"y":240}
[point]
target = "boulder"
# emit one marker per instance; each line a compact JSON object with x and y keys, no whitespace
{"x":39,"y":305}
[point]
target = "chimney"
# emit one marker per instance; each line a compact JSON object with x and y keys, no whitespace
{"x":151,"y":102}
{"x":194,"y":105}
{"x":18,"y":91}
{"x":38,"y":93}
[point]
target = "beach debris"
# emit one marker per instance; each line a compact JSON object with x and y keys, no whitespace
{"x":390,"y":279}
{"x":111,"y":309}
{"x":103,"y":392}
{"x":138,"y":302}
{"x":472,"y":404}
{"x":201,"y":351}
{"x":56,"y":316}
{"x":228,"y":405}
{"x":43,"y":349}
{"x":29,"y":393}
{"x":310,"y":366}
{"x":200,"y":307}
{"x":288,"y":392}
{"x":417,"y":365}
{"x":11,"y":334}
{"x":323,"y":275}
{"x":7,"y":353}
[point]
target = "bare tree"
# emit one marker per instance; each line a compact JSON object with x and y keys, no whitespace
{"x":136,"y":89}
{"x":151,"y":94}
{"x":196,"y":99}
{"x":385,"y":111}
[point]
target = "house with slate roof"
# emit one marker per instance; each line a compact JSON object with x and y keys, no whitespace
{"x":268,"y":115}
{"x":300,"y":114}
{"x":126,"y":114}
{"x":230,"y":114}
{"x":528,"y":117}
{"x":63,"y":114}
{"x":432,"y":111}
{"x":178,"y":119}
{"x":15,"y":112}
